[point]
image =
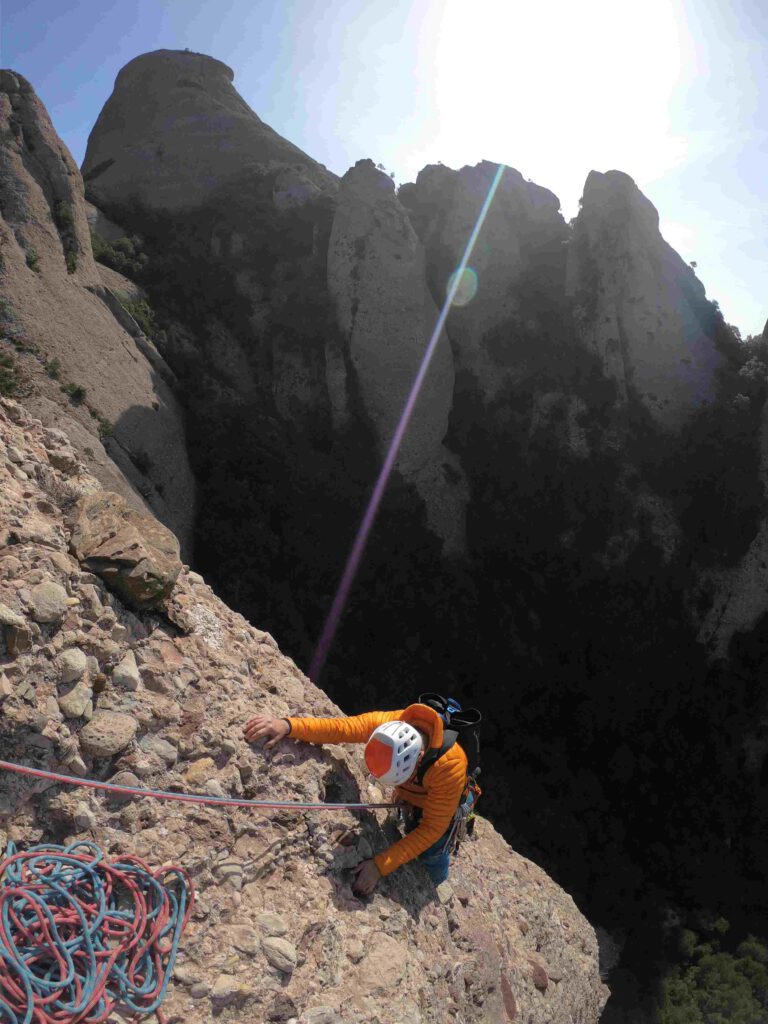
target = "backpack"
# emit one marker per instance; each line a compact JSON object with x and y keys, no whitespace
{"x":461,"y":725}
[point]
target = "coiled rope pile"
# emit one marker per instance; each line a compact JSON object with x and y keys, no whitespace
{"x":81,"y":936}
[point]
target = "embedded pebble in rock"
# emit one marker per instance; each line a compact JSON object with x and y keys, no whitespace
{"x":152,"y":744}
{"x":48,"y":602}
{"x":445,"y":892}
{"x":281,"y":954}
{"x":187,"y":974}
{"x":355,"y":950}
{"x":8,"y":617}
{"x":84,"y":818}
{"x":244,"y":938}
{"x":271,"y":924}
{"x":77,"y":766}
{"x":320,"y":1015}
{"x":214,"y":788}
{"x":72,"y":664}
{"x":18,"y":639}
{"x":108,"y":733}
{"x":200,"y":771}
{"x":76,"y":702}
{"x":124,"y":779}
{"x":227,"y":989}
{"x":126,"y":673}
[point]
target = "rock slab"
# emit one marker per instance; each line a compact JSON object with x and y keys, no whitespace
{"x":134,"y":554}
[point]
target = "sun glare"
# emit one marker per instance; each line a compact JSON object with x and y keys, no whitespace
{"x":557,"y":88}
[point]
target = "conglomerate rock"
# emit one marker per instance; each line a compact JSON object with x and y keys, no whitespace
{"x":135,"y":555}
{"x":76,"y":366}
{"x":276,"y":933}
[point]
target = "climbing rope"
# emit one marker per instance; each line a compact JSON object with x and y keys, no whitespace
{"x":81,"y":936}
{"x":191,"y":798}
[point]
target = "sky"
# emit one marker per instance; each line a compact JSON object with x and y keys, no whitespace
{"x":673,"y":92}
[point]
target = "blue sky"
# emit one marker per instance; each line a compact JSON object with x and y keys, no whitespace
{"x":671,"y":91}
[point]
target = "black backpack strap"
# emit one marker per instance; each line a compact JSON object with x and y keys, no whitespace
{"x":434,"y":754}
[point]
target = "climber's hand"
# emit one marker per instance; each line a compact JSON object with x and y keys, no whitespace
{"x":261,"y":726}
{"x":368,"y":877}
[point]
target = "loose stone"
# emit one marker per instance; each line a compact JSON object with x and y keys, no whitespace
{"x":126,"y":673}
{"x":72,"y":664}
{"x":49,"y":602}
{"x":280,"y":953}
{"x":107,"y":733}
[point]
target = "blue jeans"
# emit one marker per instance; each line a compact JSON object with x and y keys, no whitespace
{"x":436,"y":859}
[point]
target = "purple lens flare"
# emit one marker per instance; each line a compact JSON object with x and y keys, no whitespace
{"x":457,"y":286}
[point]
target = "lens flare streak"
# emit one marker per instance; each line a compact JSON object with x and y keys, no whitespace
{"x":361,"y":539}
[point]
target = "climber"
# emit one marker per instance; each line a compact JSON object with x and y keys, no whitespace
{"x":396,"y":742}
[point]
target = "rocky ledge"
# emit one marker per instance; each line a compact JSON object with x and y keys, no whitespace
{"x":155,"y":694}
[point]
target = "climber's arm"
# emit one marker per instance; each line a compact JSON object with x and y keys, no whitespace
{"x":445,"y":783}
{"x":356,"y":729}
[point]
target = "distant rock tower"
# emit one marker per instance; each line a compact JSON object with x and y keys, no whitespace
{"x":638,"y":306}
{"x":175,"y":130}
{"x":387,"y":315}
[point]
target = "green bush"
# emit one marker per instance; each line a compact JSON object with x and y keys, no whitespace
{"x":33,"y":260}
{"x":53,"y":368}
{"x":716,"y":987}
{"x":125,"y":246}
{"x":63,"y":215}
{"x":71,"y":259}
{"x":9,"y":383}
{"x":75,"y":391}
{"x":142,"y":313}
{"x":105,"y":427}
{"x":125,"y":255}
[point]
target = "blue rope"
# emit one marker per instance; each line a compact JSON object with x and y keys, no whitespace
{"x":89,"y":907}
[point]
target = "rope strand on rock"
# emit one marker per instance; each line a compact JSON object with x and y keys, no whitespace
{"x":192,"y":798}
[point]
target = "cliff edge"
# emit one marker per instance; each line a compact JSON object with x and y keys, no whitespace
{"x":158,"y":699}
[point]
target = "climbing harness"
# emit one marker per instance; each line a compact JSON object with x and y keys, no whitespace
{"x":191,"y":798}
{"x":463,"y":823}
{"x":81,"y":936}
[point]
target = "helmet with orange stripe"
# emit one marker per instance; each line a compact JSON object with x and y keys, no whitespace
{"x":392,"y":752}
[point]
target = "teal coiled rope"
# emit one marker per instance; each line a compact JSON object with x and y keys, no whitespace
{"x":81,"y":936}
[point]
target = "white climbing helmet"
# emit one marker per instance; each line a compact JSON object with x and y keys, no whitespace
{"x":392,"y":752}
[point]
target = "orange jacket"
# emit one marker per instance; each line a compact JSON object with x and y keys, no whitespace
{"x":443,"y":783}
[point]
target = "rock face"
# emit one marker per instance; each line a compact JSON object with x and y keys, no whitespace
{"x":500,"y":942}
{"x":136,"y":556}
{"x":175,"y":129}
{"x":738,"y":599}
{"x":519,"y":258}
{"x":376,"y":277}
{"x":638,"y":306}
{"x":74,"y":364}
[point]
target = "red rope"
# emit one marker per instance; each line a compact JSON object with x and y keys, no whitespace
{"x":194,"y":798}
{"x":80,"y":936}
